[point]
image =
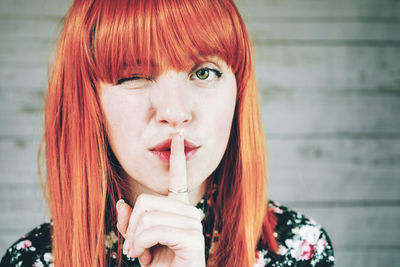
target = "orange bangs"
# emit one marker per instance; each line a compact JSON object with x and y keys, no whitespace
{"x":147,"y":37}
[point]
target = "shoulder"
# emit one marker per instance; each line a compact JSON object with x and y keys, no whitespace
{"x":32,"y":249}
{"x":301,"y":241}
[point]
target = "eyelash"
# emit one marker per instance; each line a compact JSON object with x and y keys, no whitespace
{"x":132,"y":78}
{"x":217,"y":73}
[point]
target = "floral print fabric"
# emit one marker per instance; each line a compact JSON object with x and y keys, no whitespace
{"x":302,"y":243}
{"x":32,"y":249}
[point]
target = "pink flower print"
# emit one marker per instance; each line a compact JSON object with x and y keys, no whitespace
{"x":306,"y":251}
{"x":27,"y":243}
{"x":309,"y":233}
{"x":24,"y":244}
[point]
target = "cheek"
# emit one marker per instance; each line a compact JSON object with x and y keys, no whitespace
{"x":223,"y":126}
{"x":222,"y":113}
{"x":125,"y":122}
{"x":218,"y":115}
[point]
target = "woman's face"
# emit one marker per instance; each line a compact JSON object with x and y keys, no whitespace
{"x":144,"y":113}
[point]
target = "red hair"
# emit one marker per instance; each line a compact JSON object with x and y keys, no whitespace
{"x":105,"y":40}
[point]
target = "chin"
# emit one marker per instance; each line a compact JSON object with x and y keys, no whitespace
{"x":157,"y":187}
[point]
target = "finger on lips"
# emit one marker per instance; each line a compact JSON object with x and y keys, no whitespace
{"x":177,"y":168}
{"x":156,"y":220}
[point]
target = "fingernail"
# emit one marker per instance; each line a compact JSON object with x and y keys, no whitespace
{"x":119,"y":203}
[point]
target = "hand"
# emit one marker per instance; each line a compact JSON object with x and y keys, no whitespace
{"x":164,"y":231}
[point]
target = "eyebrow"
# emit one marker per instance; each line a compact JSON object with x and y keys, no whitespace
{"x":216,"y":62}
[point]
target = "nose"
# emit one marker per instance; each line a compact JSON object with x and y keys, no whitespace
{"x":171,"y":101}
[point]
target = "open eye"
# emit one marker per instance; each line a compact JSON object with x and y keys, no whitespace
{"x":206,"y":74}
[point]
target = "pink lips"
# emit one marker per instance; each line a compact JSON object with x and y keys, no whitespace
{"x":163,"y":150}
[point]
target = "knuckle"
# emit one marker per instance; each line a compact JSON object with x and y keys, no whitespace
{"x":200,"y":240}
{"x":195,"y":212}
{"x":140,"y":200}
{"x":199,"y":227}
{"x":143,"y":199}
{"x":131,"y":253}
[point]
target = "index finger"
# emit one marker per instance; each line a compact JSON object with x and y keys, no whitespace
{"x":177,"y":169}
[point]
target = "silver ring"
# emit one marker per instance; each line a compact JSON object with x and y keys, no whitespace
{"x":179,"y":191}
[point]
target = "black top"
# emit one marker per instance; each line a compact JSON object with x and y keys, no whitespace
{"x":302,"y":242}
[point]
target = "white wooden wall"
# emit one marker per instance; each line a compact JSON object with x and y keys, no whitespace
{"x":329,"y":78}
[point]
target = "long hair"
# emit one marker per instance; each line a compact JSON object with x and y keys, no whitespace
{"x":104,"y":40}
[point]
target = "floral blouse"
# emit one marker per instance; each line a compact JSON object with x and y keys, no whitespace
{"x":302,"y":243}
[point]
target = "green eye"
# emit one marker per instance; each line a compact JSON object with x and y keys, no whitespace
{"x":203,"y":74}
{"x":206,"y":74}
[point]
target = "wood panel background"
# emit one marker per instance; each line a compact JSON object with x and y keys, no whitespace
{"x":329,"y":78}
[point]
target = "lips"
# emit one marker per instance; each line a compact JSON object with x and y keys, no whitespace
{"x":163,"y":150}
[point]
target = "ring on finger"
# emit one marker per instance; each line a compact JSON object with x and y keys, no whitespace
{"x":179,"y":191}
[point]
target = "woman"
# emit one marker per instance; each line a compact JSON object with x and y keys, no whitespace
{"x":154,"y":148}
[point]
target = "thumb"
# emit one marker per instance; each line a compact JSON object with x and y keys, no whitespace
{"x":123,"y":214}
